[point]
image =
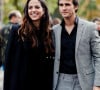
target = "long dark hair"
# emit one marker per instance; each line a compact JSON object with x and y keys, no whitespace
{"x":28,"y":29}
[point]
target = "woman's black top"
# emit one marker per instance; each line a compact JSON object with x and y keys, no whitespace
{"x":27,"y":68}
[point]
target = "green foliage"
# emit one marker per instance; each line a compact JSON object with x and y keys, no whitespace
{"x":12,"y":5}
{"x":52,"y":6}
{"x":6,"y":11}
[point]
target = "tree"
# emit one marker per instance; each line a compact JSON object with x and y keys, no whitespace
{"x":87,"y":8}
{"x":11,"y":5}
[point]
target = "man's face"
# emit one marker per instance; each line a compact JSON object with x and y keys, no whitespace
{"x":14,"y":19}
{"x":97,"y":22}
{"x":67,"y":8}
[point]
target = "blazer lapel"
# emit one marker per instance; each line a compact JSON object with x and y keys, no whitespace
{"x":80,"y":28}
{"x":58,"y":40}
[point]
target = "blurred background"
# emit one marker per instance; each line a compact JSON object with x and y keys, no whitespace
{"x":88,"y":8}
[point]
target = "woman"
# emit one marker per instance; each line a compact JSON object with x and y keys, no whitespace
{"x":29,"y":62}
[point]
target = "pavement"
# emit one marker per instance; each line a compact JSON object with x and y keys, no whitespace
{"x":1,"y":79}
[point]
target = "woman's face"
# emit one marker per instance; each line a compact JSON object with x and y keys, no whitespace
{"x":35,"y":10}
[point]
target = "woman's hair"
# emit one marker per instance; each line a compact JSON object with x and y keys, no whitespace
{"x":28,"y":30}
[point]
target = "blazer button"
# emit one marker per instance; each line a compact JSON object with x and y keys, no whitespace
{"x":56,"y":72}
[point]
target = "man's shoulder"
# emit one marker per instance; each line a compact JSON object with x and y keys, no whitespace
{"x":87,"y":22}
{"x":16,"y":26}
{"x":89,"y":27}
{"x":15,"y":29}
{"x":6,"y":27}
{"x":56,"y":27}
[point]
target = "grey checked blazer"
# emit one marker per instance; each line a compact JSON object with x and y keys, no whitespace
{"x":87,"y":54}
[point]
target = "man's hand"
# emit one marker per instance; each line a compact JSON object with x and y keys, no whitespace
{"x":96,"y":88}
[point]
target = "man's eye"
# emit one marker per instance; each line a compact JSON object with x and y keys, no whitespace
{"x":64,"y":4}
{"x":61,"y":4}
{"x":67,"y":4}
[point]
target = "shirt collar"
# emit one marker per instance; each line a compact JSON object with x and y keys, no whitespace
{"x":76,"y":21}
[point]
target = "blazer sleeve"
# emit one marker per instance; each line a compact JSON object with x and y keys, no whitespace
{"x":95,"y":47}
{"x":53,"y":38}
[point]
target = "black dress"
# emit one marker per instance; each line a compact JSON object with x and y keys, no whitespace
{"x":27,"y":68}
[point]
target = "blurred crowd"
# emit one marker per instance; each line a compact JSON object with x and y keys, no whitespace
{"x":14,"y":17}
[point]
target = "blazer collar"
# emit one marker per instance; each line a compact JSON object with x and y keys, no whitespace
{"x":80,"y":27}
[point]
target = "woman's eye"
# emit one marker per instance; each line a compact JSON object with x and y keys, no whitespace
{"x":29,"y":7}
{"x":37,"y":7}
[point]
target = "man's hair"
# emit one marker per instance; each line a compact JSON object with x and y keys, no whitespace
{"x":75,"y":2}
{"x":14,"y":13}
{"x":96,"y":19}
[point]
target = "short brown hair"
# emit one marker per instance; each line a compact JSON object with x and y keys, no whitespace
{"x":75,"y":2}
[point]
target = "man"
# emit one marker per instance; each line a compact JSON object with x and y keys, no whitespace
{"x":77,"y":51}
{"x":96,"y":20}
{"x":14,"y":17}
{"x":0,"y":50}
